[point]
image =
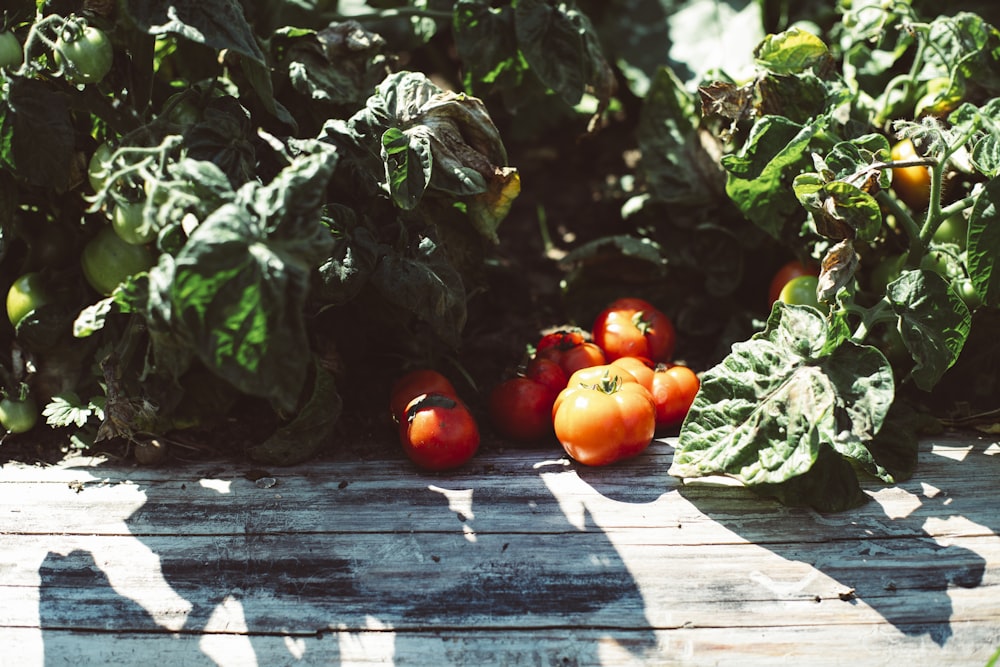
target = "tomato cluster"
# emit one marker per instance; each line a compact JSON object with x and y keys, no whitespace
{"x":602,"y":396}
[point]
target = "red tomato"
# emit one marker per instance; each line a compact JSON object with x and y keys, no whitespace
{"x":600,"y":423}
{"x":521,"y":409}
{"x":549,"y":373}
{"x":634,"y":328}
{"x":413,"y":384}
{"x":574,"y":356}
{"x":438,"y":432}
{"x":673,"y":392}
{"x":786,"y":274}
{"x":641,"y":369}
{"x":564,"y":338}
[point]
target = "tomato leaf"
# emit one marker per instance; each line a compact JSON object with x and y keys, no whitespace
{"x":783,"y":405}
{"x":36,"y":133}
{"x":983,"y":253}
{"x":240,"y":283}
{"x":933,"y":321}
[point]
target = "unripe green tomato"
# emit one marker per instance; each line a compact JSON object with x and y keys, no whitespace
{"x":953,"y":229}
{"x":18,"y":416}
{"x":968,"y":292}
{"x":11,"y":54}
{"x":801,"y":291}
{"x":99,"y":168}
{"x":129,"y":223}
{"x":86,"y":57}
{"x":25,"y":295}
{"x":107,"y":260}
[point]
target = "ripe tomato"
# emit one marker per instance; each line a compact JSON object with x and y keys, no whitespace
{"x":911,"y":184}
{"x":801,"y":291}
{"x":787,"y":272}
{"x":564,"y":338}
{"x":674,"y":389}
{"x":11,"y":54}
{"x":640,"y":369}
{"x":86,"y":55}
{"x":28,"y":293}
{"x":129,"y":223}
{"x":521,"y":409}
{"x":600,"y":423}
{"x":634,"y":328}
{"x":18,"y":416}
{"x":108,"y":261}
{"x":438,"y":432}
{"x":413,"y":384}
{"x":573,"y":356}
{"x":547,"y":372}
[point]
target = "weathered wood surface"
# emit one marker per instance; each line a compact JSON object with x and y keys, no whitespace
{"x":521,"y":559}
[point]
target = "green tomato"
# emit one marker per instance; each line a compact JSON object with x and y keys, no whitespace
{"x":11,"y":54}
{"x":801,"y":291}
{"x":27,"y":294}
{"x":99,"y":168}
{"x":885,"y":272}
{"x":938,"y":262}
{"x":953,"y":229}
{"x":86,"y":56}
{"x":129,"y":223}
{"x":968,"y":292}
{"x":107,"y":261}
{"x":18,"y":416}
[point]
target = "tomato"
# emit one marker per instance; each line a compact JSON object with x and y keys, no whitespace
{"x":86,"y":56}
{"x":640,"y":369}
{"x":11,"y":54}
{"x":521,"y":409}
{"x":674,"y":389}
{"x":953,"y":229}
{"x":28,"y":293}
{"x":911,"y":184}
{"x":99,"y":167}
{"x":607,"y":421}
{"x":564,"y":339}
{"x":634,"y":328}
{"x":108,"y":261}
{"x":801,"y":291}
{"x":438,"y":432}
{"x":968,"y":292}
{"x":18,"y":416}
{"x":572,"y":357}
{"x":129,"y":223}
{"x":788,"y":271}
{"x":413,"y":384}
{"x":547,"y":372}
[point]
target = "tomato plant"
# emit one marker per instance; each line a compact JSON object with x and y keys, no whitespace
{"x":438,"y":432}
{"x":413,"y":384}
{"x":631,"y":327}
{"x":11,"y":54}
{"x":18,"y":415}
{"x":108,"y":261}
{"x":26,"y":294}
{"x":788,"y":271}
{"x":604,"y":415}
{"x":673,"y":390}
{"x":85,"y":53}
{"x":911,"y":183}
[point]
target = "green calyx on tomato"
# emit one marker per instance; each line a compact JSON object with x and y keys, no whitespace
{"x":11,"y":53}
{"x":25,"y":295}
{"x":18,"y":416}
{"x":85,"y":54}
{"x":108,"y":261}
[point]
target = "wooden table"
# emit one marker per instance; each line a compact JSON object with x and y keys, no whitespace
{"x":522,"y":558}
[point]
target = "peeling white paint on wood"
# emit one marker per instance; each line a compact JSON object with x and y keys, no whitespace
{"x":521,"y":558}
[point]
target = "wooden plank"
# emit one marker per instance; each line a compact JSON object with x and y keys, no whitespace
{"x":499,"y":564}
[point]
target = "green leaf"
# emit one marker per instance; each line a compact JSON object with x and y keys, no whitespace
{"x":983,"y":253}
{"x":310,"y":429}
{"x":219,"y":24}
{"x":408,"y":164}
{"x":933,"y":321}
{"x":840,"y":209}
{"x":36,"y":134}
{"x":351,"y":262}
{"x":780,"y":404}
{"x":774,"y":153}
{"x":240,"y":283}
{"x":487,"y":45}
{"x":792,"y":52}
